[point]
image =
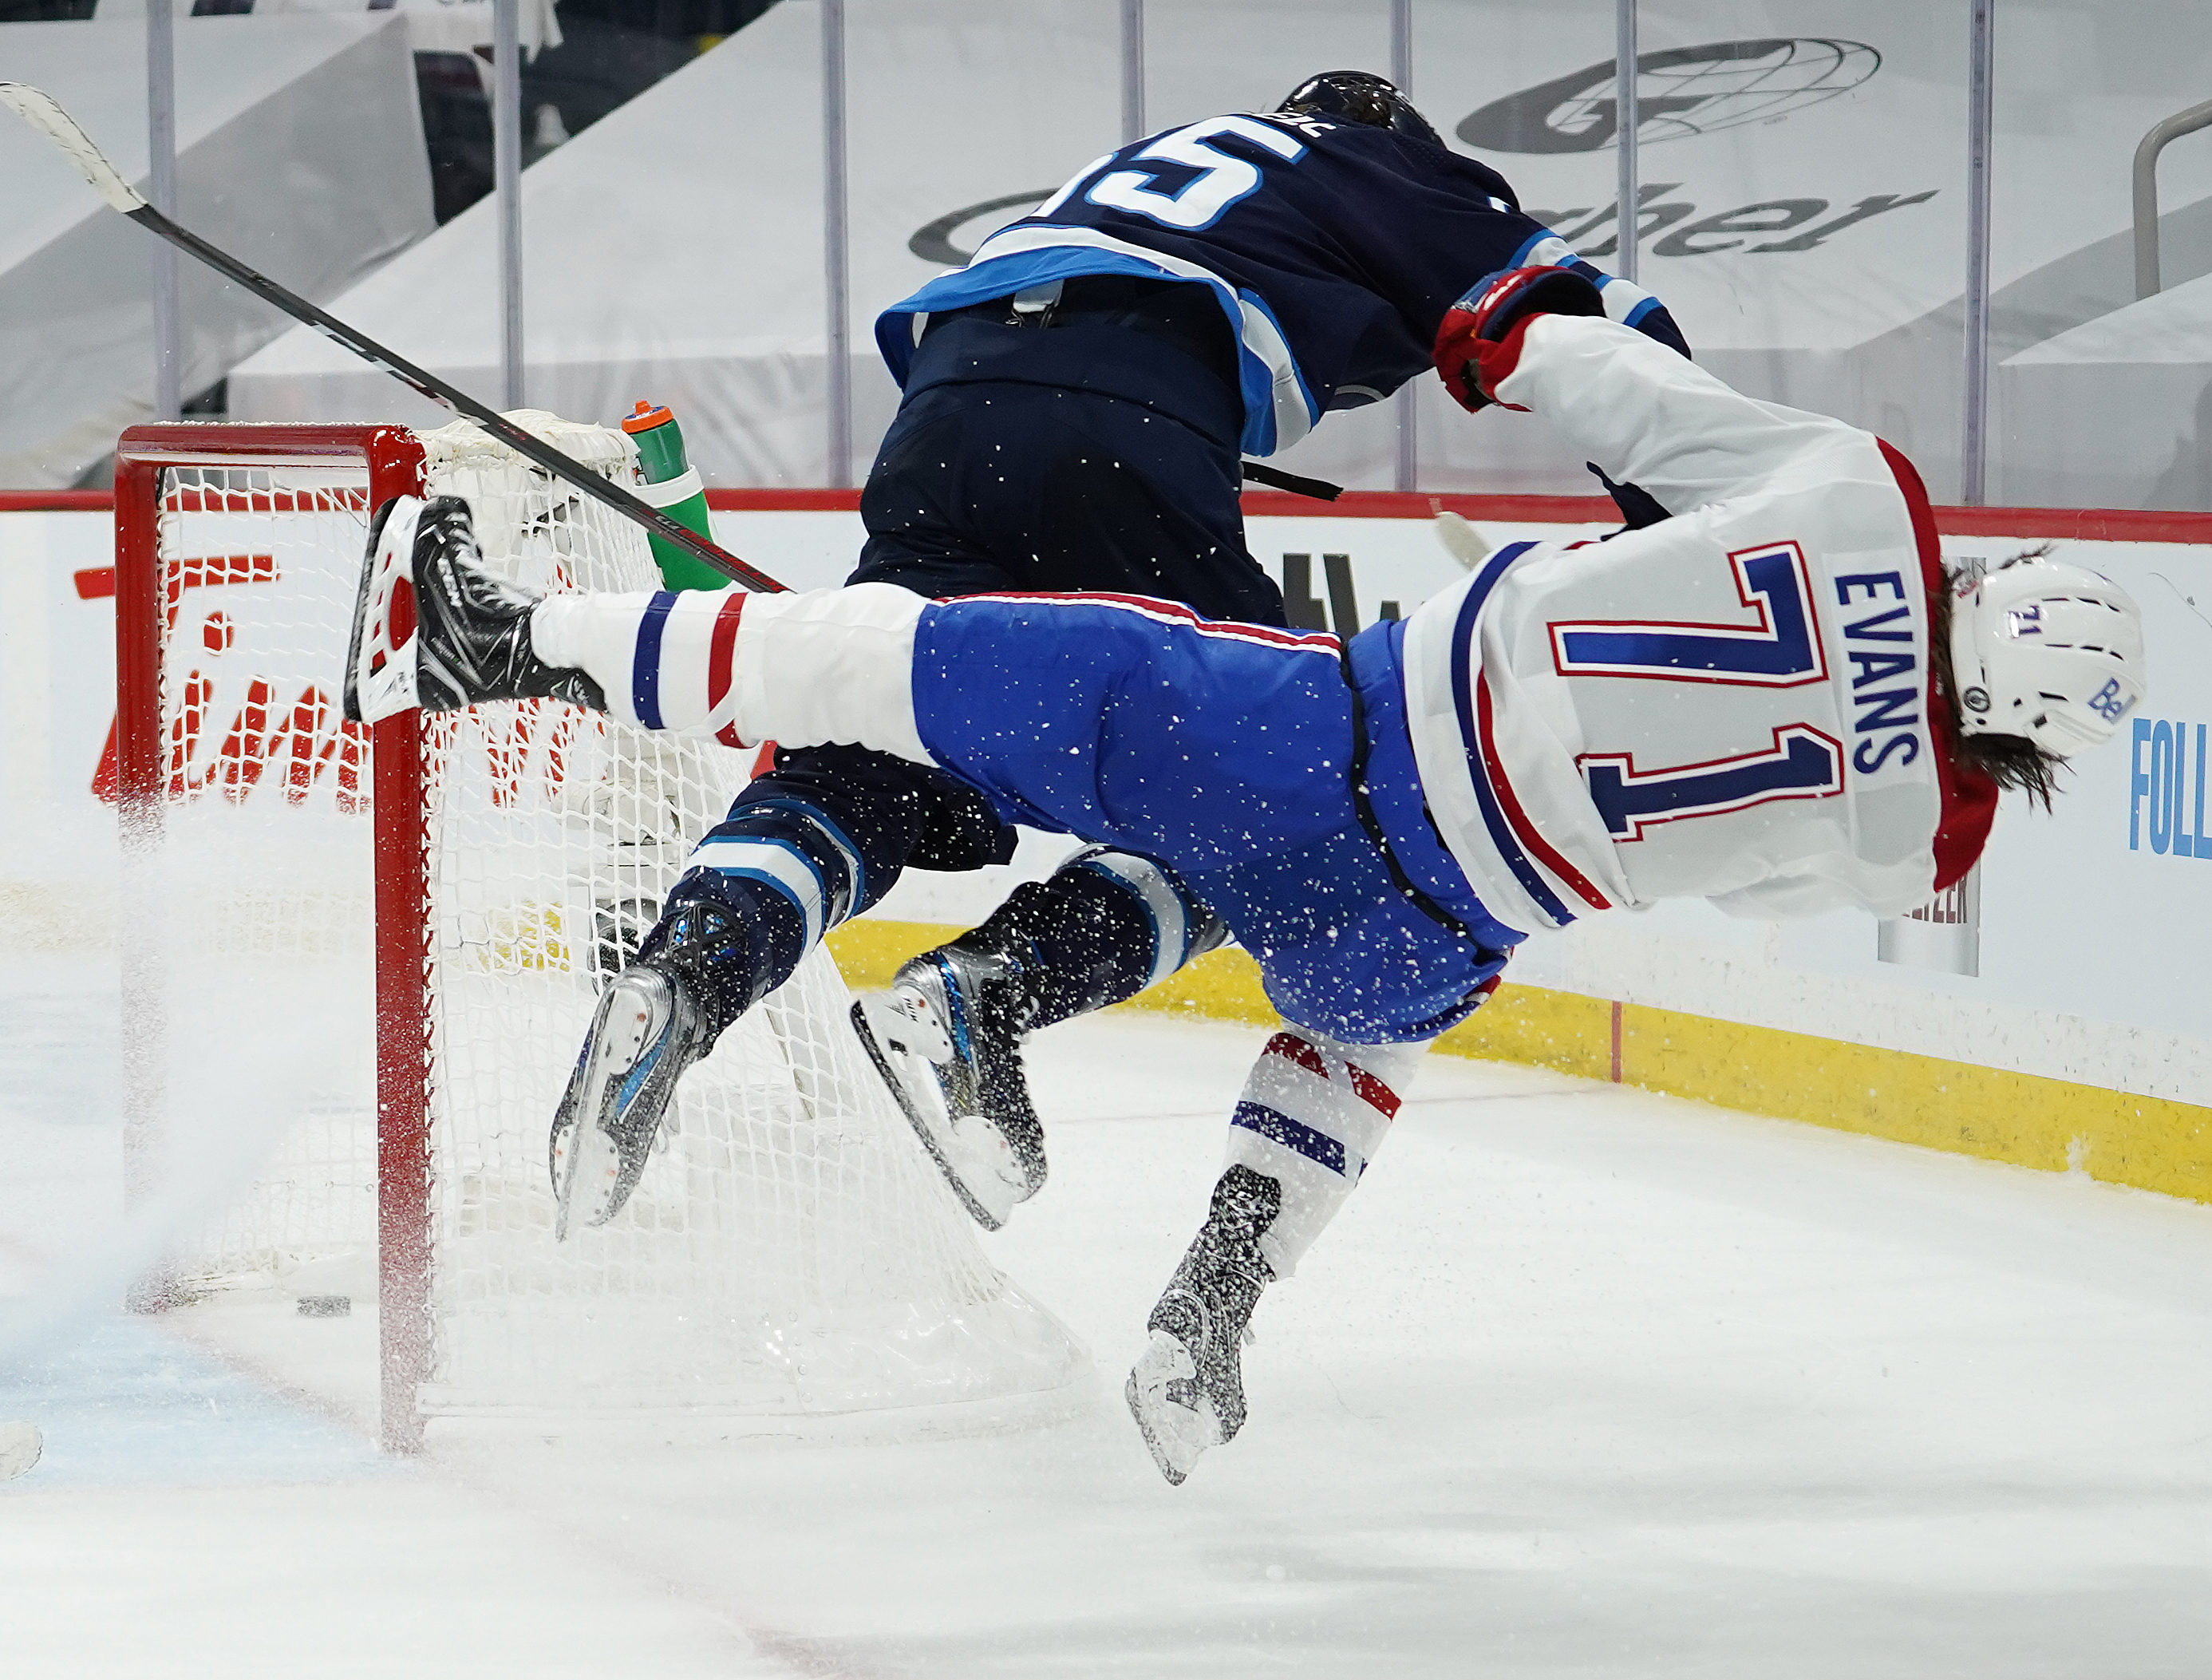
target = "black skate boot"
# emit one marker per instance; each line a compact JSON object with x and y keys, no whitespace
{"x":947,"y":1038}
{"x":656,"y":1018}
{"x":1187,"y":1392}
{"x":470,"y":637}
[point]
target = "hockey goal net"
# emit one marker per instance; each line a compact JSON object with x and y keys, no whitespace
{"x":412,"y":925}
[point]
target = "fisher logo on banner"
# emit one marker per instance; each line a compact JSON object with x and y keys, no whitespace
{"x":1679,"y":92}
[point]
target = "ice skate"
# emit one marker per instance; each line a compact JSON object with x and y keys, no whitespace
{"x":947,"y":1039}
{"x":434,"y":628}
{"x":646,"y":1031}
{"x":1187,"y":1391}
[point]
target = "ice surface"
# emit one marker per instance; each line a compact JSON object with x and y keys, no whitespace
{"x":1585,"y":1382}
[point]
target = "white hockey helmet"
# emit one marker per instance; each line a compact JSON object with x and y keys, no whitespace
{"x":2044,"y":650}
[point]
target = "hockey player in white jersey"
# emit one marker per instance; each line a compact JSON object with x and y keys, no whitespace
{"x":1773,"y":699}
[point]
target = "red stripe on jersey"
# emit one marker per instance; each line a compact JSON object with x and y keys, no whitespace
{"x":1969,"y":797}
{"x":1372,"y":1092}
{"x":722,"y":646}
{"x":1517,"y":819}
{"x":1174,"y":612}
{"x":1292,"y":1048}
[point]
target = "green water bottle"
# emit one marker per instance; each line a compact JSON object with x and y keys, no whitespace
{"x":672,"y":486}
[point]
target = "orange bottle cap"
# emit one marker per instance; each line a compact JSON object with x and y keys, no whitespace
{"x":644,"y":418}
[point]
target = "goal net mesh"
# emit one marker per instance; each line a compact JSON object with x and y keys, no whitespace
{"x":788,"y":1249}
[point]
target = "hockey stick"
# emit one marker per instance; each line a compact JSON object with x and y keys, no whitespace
{"x":40,"y":111}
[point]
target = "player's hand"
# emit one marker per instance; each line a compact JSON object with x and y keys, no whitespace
{"x":1480,"y":339}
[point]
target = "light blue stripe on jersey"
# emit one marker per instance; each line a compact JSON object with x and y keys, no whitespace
{"x":1525,"y":257}
{"x":1625,"y":301}
{"x":1278,"y":406}
{"x":1274,"y":386}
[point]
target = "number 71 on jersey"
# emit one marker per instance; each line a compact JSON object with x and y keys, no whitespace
{"x":1780,"y":647}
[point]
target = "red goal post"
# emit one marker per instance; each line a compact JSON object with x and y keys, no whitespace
{"x":390,"y":461}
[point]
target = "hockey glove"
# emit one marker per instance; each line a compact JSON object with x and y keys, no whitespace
{"x":1479,"y":341}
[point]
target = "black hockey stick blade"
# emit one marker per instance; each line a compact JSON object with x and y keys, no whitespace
{"x":43,"y":113}
{"x":1320,"y":490}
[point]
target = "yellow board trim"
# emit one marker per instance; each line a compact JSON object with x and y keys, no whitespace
{"x":2148,"y":1143}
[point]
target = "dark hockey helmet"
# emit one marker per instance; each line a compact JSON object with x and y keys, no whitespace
{"x":1355,"y":96}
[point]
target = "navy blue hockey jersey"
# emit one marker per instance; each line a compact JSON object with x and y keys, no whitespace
{"x":1333,"y":248}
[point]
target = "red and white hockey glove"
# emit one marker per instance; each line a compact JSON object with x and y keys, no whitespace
{"x":1479,"y":341}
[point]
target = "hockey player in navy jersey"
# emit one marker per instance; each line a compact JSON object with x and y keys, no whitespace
{"x":1773,"y":699}
{"x":1077,"y":403}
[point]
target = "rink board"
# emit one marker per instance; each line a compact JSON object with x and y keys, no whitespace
{"x":2077,"y":1045}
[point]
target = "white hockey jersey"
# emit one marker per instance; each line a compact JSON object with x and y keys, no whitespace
{"x":1734,"y":704}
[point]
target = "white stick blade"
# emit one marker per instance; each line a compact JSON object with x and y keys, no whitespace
{"x":1461,"y":539}
{"x":19,"y":1446}
{"x":40,"y":111}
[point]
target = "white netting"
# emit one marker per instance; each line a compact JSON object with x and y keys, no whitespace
{"x":790,"y":1250}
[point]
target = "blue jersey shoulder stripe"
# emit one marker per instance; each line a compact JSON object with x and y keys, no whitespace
{"x":1526,"y":252}
{"x":1000,"y":277}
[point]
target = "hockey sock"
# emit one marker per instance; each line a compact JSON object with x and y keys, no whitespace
{"x":1244,"y":1205}
{"x":728,"y":942}
{"x":758,"y":894}
{"x":823,"y":665}
{"x":1313,"y":1114}
{"x":1104,"y":927}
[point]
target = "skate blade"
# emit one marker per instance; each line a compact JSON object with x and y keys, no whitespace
{"x":563,"y":1153}
{"x":587,"y":1163}
{"x":1175,"y":1435}
{"x":20,"y":1444}
{"x":380,"y":653}
{"x":975,"y":1159}
{"x":593,"y":1180}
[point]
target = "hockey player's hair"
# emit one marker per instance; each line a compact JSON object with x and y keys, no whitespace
{"x":2010,"y":761}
